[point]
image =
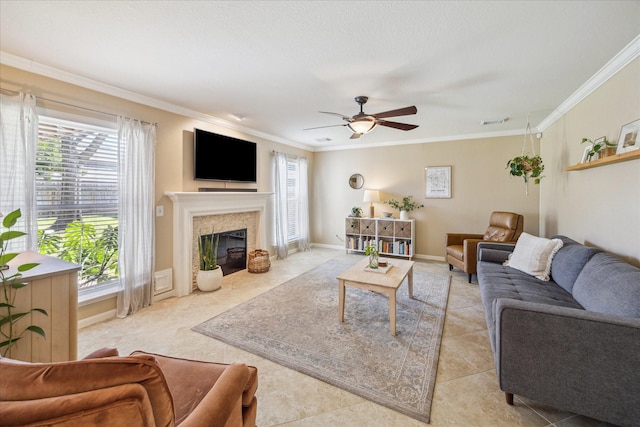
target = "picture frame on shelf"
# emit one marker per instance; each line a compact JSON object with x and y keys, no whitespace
{"x":438,"y":182}
{"x":628,"y":140}
{"x":585,"y":154}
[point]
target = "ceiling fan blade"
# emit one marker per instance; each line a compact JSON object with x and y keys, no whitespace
{"x":396,"y":125}
{"x":320,"y":127}
{"x":399,"y":112}
{"x":355,"y":135}
{"x":336,"y":114}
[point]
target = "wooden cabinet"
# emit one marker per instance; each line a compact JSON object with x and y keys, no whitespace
{"x":52,"y":286}
{"x":392,"y":236}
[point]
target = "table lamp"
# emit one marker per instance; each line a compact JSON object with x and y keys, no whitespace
{"x":371,"y":196}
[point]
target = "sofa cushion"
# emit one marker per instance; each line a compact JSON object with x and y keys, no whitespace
{"x":569,"y":261}
{"x":607,"y":284}
{"x":499,"y":281}
{"x":533,"y":255}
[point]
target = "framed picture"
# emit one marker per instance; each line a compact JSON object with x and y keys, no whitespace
{"x":585,"y":153}
{"x":628,"y":140}
{"x":438,"y":182}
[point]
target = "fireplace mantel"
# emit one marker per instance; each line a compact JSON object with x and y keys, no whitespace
{"x":187,"y":205}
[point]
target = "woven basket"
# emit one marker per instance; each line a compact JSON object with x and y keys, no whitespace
{"x":258,"y":261}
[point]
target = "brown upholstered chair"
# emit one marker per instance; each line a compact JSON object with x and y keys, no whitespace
{"x":142,"y":389}
{"x":462,"y":248}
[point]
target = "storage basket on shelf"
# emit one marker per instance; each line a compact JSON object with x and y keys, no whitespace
{"x":258,"y":261}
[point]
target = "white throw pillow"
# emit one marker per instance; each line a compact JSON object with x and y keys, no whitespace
{"x":533,"y":255}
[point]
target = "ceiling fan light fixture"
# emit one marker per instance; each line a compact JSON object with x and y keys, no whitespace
{"x":362,"y":126}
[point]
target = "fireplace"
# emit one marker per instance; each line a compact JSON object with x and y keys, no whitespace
{"x":227,"y":211}
{"x":232,"y":250}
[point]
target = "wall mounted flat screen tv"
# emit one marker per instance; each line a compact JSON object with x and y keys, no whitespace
{"x":223,"y":158}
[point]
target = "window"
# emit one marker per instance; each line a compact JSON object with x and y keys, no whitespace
{"x":77,"y":198}
{"x":293,"y":196}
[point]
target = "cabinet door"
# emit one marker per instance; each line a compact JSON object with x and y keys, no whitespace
{"x":385,"y":228}
{"x":403,"y":229}
{"x":368,"y":227}
{"x":352,"y":226}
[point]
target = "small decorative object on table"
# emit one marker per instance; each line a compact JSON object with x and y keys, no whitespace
{"x":372,"y":252}
{"x":258,"y":261}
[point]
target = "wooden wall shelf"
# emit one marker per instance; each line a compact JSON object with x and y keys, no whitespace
{"x":616,"y":158}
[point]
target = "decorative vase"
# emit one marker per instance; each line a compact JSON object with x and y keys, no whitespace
{"x":209,"y":280}
{"x":404,"y":215}
{"x":373,"y":259}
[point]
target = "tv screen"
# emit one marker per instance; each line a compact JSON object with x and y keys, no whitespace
{"x":223,"y":158}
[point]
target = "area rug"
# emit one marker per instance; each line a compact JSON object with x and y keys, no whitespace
{"x":296,"y":325}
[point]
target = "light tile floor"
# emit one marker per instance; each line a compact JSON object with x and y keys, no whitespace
{"x":466,"y":391}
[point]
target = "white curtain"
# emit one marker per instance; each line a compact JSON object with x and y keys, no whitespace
{"x":280,"y":179}
{"x":303,"y":204}
{"x":18,"y":139}
{"x":136,"y":240}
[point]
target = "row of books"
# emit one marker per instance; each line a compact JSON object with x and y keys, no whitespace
{"x":360,"y":243}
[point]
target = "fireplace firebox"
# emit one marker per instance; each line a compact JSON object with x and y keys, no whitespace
{"x":232,"y":250}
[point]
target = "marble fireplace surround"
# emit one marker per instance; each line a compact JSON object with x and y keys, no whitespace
{"x":187,"y":205}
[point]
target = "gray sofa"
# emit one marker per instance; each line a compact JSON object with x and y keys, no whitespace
{"x":572,"y":342}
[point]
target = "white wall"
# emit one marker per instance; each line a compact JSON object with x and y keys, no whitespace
{"x":480,"y":184}
{"x":598,"y":206}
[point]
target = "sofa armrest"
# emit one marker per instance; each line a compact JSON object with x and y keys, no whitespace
{"x":572,"y":359}
{"x":494,"y":252}
{"x":222,"y":405}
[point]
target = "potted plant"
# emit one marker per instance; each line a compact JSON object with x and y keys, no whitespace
{"x":597,"y":147}
{"x":11,"y":283}
{"x":407,"y":205}
{"x":209,"y":276}
{"x":356,"y":212}
{"x":372,"y":252}
{"x":526,"y":167}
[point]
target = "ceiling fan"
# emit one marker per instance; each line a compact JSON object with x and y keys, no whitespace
{"x":363,"y":123}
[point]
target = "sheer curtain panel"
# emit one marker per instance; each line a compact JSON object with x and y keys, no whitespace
{"x":18,"y":139}
{"x":280,"y":205}
{"x":137,"y":143}
{"x":303,"y":204}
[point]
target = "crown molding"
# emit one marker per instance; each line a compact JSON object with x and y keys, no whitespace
{"x":64,"y":76}
{"x":610,"y":69}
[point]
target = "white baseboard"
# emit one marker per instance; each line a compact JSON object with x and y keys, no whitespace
{"x":107,"y":315}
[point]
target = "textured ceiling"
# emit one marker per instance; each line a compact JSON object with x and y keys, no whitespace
{"x":277,"y":63}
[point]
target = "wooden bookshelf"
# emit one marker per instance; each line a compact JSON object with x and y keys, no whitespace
{"x":616,"y":158}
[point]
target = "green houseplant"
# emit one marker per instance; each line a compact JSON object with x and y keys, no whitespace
{"x":209,"y":277}
{"x":406,"y":205}
{"x":597,"y":146}
{"x":11,"y":284}
{"x":527,"y":167}
{"x":356,"y":212}
{"x":372,"y":252}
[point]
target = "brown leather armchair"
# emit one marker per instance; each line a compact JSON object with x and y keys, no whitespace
{"x":462,"y":248}
{"x":142,"y":389}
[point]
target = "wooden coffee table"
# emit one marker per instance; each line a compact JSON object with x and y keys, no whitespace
{"x":388,"y":283}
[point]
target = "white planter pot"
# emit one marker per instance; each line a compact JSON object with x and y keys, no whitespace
{"x":209,"y":280}
{"x":404,"y":215}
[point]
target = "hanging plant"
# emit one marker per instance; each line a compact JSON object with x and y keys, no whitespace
{"x":525,"y":165}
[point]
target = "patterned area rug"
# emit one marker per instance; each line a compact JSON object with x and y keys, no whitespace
{"x":296,"y":325}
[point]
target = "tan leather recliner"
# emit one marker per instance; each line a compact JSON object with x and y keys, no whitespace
{"x":462,"y":248}
{"x":142,"y":389}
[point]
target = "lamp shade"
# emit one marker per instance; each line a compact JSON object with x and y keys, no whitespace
{"x":371,"y":196}
{"x":363,"y":125}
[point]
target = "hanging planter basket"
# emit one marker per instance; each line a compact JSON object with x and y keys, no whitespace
{"x":528,"y":166}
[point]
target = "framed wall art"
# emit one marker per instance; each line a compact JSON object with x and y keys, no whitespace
{"x":438,"y":182}
{"x":628,"y":140}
